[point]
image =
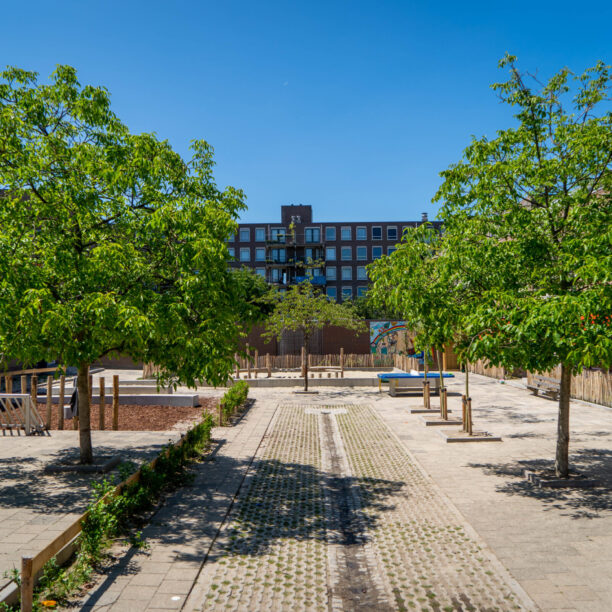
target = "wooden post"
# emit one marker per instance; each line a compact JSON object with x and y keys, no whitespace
{"x":8,"y":384}
{"x":101,"y":407}
{"x":90,"y":388}
{"x":256,"y":360}
{"x":60,"y":402}
{"x":464,"y":413}
{"x":372,"y":360}
{"x":443,"y":405}
{"x":237,"y":367}
{"x":268,"y":365}
{"x":34,"y":389}
{"x":469,"y":416}
{"x":426,"y":397}
{"x":341,"y":363}
{"x":303,"y":362}
{"x":27,"y":584}
{"x":24,"y":385}
{"x":443,"y":360}
{"x":115,"y":402}
{"x":49,"y":401}
{"x":220,"y":415}
{"x":248,"y":362}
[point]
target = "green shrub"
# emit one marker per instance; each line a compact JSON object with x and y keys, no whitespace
{"x":234,"y":397}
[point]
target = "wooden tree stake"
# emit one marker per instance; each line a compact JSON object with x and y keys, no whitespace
{"x":341,"y":363}
{"x":115,"y":402}
{"x":60,"y":402}
{"x":469,"y":415}
{"x":101,"y":412}
{"x":24,"y":385}
{"x":49,"y":401}
{"x":268,"y":365}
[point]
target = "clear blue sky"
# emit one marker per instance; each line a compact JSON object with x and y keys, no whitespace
{"x":353,"y":107}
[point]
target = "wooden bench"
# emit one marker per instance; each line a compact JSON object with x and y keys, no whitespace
{"x":550,"y":387}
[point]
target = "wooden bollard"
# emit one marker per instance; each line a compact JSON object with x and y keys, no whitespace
{"x":303,"y":361}
{"x":24,"y":385}
{"x":256,"y":362}
{"x":34,"y":390}
{"x":426,"y":396}
{"x":248,"y":362}
{"x":115,"y":402}
{"x":60,"y":402}
{"x":27,"y":584}
{"x":101,"y":412}
{"x":341,"y":363}
{"x":469,"y":416}
{"x":8,"y":384}
{"x":443,"y":405}
{"x":268,"y":365}
{"x":49,"y":401}
{"x":463,"y":413}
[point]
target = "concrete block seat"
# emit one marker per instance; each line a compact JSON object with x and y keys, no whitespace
{"x":413,"y":380}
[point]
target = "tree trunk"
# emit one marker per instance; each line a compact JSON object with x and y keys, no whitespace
{"x":439,"y":356}
{"x":306,"y":352}
{"x":84,"y":413}
{"x":425,"y":366}
{"x":467,"y":379}
{"x":563,"y":433}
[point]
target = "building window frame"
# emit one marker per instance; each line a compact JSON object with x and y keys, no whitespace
{"x":346,"y":233}
{"x":375,"y":250}
{"x":245,"y":254}
{"x":331,"y":293}
{"x":377,"y":229}
{"x":391,"y":228}
{"x":330,"y":253}
{"x":260,"y":234}
{"x":361,"y":291}
{"x":362,"y":273}
{"x":331,"y":273}
{"x":347,"y":292}
{"x":391,"y":249}
{"x":361,"y":232}
{"x":346,"y":253}
{"x":260,"y":254}
{"x":346,"y":273}
{"x":312,"y":239}
{"x":232,"y":252}
{"x":330,"y":233}
{"x":261,"y":272}
{"x":245,"y":231}
{"x":361,"y":253}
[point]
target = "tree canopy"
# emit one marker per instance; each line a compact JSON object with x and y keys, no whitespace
{"x":109,"y":241}
{"x":529,"y":217}
{"x":305,"y":310}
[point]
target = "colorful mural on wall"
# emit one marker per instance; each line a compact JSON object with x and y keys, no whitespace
{"x":389,"y":337}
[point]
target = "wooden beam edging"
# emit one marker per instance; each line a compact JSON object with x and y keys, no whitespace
{"x":30,"y":566}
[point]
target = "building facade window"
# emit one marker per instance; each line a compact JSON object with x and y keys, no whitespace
{"x":391,"y":250}
{"x":361,"y":291}
{"x":362,"y":233}
{"x":279,"y":255}
{"x":330,"y":234}
{"x":332,"y":293}
{"x":232,"y":238}
{"x":330,"y":272}
{"x":376,"y":252}
{"x":245,"y":254}
{"x":260,"y":234}
{"x":312,"y":234}
{"x":277,"y":234}
{"x":260,"y":254}
{"x":347,"y":293}
{"x":392,"y":233}
{"x":275,"y":275}
{"x":362,"y":253}
{"x":232,"y":252}
{"x":245,"y":234}
{"x":346,"y":253}
{"x":330,"y":253}
{"x":361,"y":273}
{"x":347,"y":273}
{"x":261,"y":272}
{"x":377,"y":233}
{"x":345,"y":233}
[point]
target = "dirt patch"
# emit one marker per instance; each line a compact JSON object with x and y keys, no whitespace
{"x":139,"y":418}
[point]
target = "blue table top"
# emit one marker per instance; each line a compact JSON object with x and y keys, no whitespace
{"x":387,"y":375}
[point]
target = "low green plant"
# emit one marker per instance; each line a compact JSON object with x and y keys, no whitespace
{"x":109,"y":513}
{"x":234,"y":397}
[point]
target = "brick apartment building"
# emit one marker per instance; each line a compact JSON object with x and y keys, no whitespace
{"x":332,"y":255}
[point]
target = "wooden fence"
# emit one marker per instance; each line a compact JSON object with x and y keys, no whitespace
{"x":19,"y":413}
{"x":590,"y":385}
{"x":482,"y":367}
{"x":294,"y":362}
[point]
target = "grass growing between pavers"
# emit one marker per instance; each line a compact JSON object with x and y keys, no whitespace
{"x":429,"y":561}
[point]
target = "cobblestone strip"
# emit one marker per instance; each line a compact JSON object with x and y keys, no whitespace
{"x":271,"y":554}
{"x":430,"y":560}
{"x":354,"y":582}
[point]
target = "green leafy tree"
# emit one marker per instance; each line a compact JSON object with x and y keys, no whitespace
{"x":109,"y":241}
{"x":302,"y":309}
{"x":253,"y":304}
{"x":532,"y":208}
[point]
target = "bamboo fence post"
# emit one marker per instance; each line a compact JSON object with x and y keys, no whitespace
{"x":341,"y":363}
{"x":24,"y":384}
{"x":371,"y":360}
{"x":268,"y":365}
{"x":115,"y":402}
{"x":27,"y":584}
{"x":60,"y":402}
{"x":102,"y":400}
{"x":49,"y":400}
{"x":469,"y":416}
{"x":248,"y":358}
{"x":443,"y":405}
{"x":34,"y":390}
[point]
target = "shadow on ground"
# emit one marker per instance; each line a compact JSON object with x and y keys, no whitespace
{"x":576,"y":503}
{"x":278,"y":502}
{"x":25,"y":484}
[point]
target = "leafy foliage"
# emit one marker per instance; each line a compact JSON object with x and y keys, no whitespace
{"x":234,"y":397}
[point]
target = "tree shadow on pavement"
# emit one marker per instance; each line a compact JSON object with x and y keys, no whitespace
{"x":577,"y":503}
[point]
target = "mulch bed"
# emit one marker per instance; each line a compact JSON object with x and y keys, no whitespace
{"x":138,"y":418}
